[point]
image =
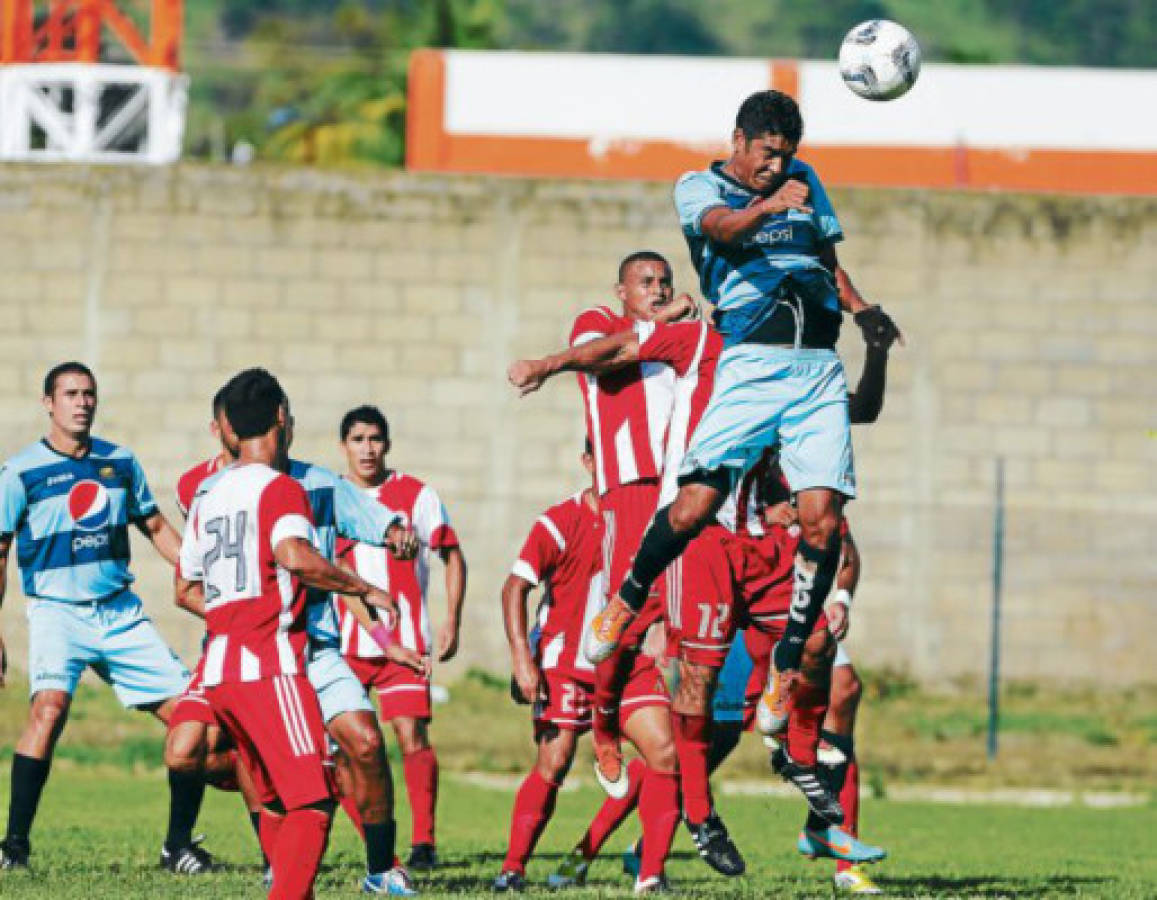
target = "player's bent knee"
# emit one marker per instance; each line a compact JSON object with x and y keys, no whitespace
{"x":661,"y":756}
{"x":363,"y":746}
{"x":847,"y":689}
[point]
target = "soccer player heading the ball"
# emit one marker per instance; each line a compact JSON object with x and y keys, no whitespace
{"x":762,"y":235}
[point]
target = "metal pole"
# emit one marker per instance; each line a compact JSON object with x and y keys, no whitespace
{"x":997,"y":585}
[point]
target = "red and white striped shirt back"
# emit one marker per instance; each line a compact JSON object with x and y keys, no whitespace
{"x":254,"y":608}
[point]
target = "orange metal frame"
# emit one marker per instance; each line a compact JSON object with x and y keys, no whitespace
{"x":70,"y":31}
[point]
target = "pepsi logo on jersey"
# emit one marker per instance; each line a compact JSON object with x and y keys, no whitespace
{"x":89,"y":505}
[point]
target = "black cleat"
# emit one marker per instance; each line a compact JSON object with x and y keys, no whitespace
{"x":191,"y":859}
{"x":509,"y":883}
{"x":820,"y":799}
{"x":423,"y":858}
{"x":14,"y":853}
{"x":716,"y":847}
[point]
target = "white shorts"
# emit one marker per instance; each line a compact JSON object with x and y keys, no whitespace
{"x":114,"y":637}
{"x":766,"y":395}
{"x":338,"y":689}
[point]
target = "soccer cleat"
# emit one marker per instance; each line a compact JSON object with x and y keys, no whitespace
{"x":423,"y":857}
{"x":395,"y":883}
{"x":633,"y":859}
{"x":191,"y":859}
{"x":818,"y":795}
{"x":771,"y":712}
{"x":835,"y":843}
{"x":855,"y":881}
{"x":610,"y":771}
{"x":607,"y":629}
{"x":509,"y":883}
{"x":656,"y":884}
{"x":716,"y":847}
{"x":14,"y":853}
{"x":571,"y":872}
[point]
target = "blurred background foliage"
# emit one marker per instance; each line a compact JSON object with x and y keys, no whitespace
{"x":323,"y":81}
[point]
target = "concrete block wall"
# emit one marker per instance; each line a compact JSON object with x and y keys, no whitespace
{"x":1031,"y":325}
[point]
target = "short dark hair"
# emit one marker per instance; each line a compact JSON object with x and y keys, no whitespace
{"x":640,"y":256}
{"x":770,"y":112}
{"x":252,"y":399}
{"x":366,"y":415}
{"x":72,"y":367}
{"x":219,"y":401}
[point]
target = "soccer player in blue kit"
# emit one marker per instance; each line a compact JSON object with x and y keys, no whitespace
{"x":762,"y":233}
{"x":69,"y":500}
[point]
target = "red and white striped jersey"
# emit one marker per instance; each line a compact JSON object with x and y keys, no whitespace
{"x":762,"y":486}
{"x":254,"y":609}
{"x":406,"y":580}
{"x":640,"y":418}
{"x":188,"y":483}
{"x":564,"y":554}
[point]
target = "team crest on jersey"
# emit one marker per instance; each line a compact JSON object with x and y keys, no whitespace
{"x":108,"y":473}
{"x":89,"y":505}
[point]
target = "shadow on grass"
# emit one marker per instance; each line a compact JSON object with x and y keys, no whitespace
{"x":996,"y":885}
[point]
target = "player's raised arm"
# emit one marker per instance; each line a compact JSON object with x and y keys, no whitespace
{"x":867,"y":401}
{"x":597,"y":357}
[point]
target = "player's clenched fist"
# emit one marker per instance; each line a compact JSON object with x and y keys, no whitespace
{"x":791,"y":195}
{"x":402,"y":542}
{"x":525,"y":375}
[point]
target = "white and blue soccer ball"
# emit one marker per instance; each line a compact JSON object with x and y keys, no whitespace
{"x":880,"y":60}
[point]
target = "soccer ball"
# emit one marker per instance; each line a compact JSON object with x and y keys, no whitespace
{"x":879,"y":60}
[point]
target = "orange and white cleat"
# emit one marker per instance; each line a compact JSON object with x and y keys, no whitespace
{"x":771,"y":711}
{"x":607,"y":629}
{"x":610,"y":771}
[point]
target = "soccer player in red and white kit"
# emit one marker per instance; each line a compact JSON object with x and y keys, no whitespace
{"x":563,"y":554}
{"x":403,"y":694}
{"x":646,"y":384}
{"x":248,"y":556}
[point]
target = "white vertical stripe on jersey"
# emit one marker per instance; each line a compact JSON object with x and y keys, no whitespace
{"x":659,"y":381}
{"x":408,"y":636}
{"x":625,"y":454}
{"x":347,"y":631}
{"x":215,"y":659}
{"x":250,"y":665}
{"x":554,"y":532}
{"x":371,"y":563}
{"x":678,"y":433}
{"x":553,"y":650}
{"x":596,"y":435}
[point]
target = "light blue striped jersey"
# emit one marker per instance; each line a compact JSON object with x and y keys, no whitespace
{"x":71,"y":518}
{"x":339,"y":508}
{"x":746,"y":281}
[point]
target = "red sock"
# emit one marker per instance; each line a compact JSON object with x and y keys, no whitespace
{"x":533,"y":807}
{"x":300,"y":847}
{"x":692,"y":741}
{"x":612,"y":813}
{"x":850,"y":801}
{"x":421,"y":771}
{"x":268,"y":830}
{"x":659,"y":812}
{"x":351,"y":810}
{"x":807,"y":707}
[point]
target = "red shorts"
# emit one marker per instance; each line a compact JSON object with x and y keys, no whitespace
{"x":193,"y":705}
{"x":569,"y":701}
{"x":764,"y":571}
{"x":760,"y":636}
{"x":627,"y":511}
{"x":402,"y":692}
{"x":277,"y":726}
{"x":701,"y":595}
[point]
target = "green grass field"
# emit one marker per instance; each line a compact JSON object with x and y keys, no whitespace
{"x":104,"y":809}
{"x":98,"y":837}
